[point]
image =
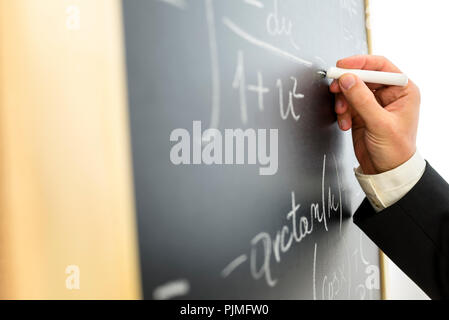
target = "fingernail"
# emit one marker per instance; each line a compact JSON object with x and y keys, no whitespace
{"x":347,"y":82}
{"x":338,"y":104}
{"x":343,"y":124}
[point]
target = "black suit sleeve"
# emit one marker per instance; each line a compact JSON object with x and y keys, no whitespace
{"x":414,"y":233}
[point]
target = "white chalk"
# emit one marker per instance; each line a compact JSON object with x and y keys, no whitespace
{"x":387,"y":78}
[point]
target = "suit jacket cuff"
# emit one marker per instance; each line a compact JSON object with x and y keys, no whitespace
{"x":385,"y":189}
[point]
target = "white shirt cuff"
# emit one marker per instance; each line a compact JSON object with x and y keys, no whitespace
{"x":385,"y":189}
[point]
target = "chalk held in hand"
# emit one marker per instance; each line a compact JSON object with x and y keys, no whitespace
{"x":386,"y":78}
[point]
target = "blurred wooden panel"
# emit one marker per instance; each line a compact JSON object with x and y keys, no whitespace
{"x":65,"y":176}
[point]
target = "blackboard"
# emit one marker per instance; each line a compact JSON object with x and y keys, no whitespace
{"x":233,"y":230}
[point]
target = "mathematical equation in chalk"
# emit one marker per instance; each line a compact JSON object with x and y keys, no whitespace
{"x":267,"y":249}
{"x":260,"y":90}
{"x":253,"y":92}
{"x":276,"y":24}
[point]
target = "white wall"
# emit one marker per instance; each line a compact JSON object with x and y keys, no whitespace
{"x":414,"y":35}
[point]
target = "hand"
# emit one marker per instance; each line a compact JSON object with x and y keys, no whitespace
{"x":384,"y":119}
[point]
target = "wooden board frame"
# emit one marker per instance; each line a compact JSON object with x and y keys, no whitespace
{"x":382,"y":258}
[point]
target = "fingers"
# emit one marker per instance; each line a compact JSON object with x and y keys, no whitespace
{"x":335,"y":87}
{"x":368,"y":62}
{"x":341,"y":105}
{"x":345,"y":121}
{"x":365,"y":62}
{"x":343,"y":112}
{"x":361,"y":98}
{"x":354,"y":93}
{"x":390,"y":95}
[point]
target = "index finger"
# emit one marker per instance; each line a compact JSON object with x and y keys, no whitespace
{"x":368,"y":62}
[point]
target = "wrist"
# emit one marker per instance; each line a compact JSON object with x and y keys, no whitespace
{"x":385,"y":163}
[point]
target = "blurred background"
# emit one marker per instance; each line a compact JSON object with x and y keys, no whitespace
{"x":412,"y":34}
{"x":66,"y":199}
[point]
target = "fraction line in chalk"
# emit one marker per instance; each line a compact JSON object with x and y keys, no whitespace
{"x":233,"y":265}
{"x":251,"y":39}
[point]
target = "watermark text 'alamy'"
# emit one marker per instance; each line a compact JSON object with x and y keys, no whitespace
{"x":212,"y":147}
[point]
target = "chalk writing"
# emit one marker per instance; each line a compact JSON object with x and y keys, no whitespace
{"x":215,"y":68}
{"x":277,"y":25}
{"x":272,"y":247}
{"x":172,"y":289}
{"x":259,"y":89}
{"x":251,"y":39}
{"x":179,"y":4}
{"x":239,"y":83}
{"x":255,"y":3}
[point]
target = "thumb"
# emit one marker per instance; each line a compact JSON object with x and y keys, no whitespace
{"x":362,"y":99}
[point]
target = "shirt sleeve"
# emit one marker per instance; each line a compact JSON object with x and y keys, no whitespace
{"x":385,"y":189}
